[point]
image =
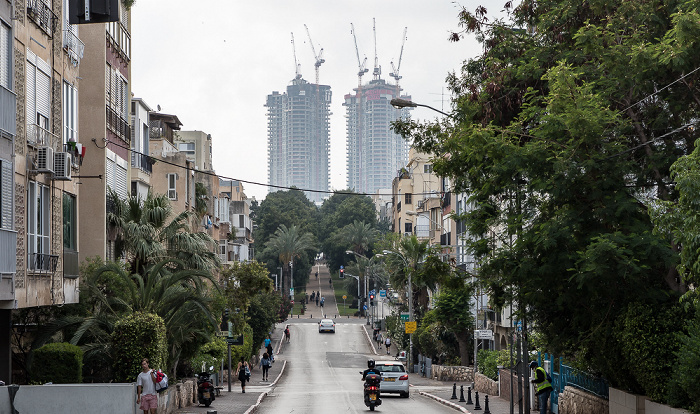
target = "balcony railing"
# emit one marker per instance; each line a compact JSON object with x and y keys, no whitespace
{"x":42,"y":15}
{"x":142,"y":162}
{"x":120,"y":39}
{"x":118,"y":125}
{"x":73,"y":46}
{"x":42,"y":263}
{"x":37,"y":135}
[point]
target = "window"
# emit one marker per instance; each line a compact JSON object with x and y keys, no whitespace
{"x":70,"y":113}
{"x":38,"y":96}
{"x":408,"y":227}
{"x":116,"y":89}
{"x":5,"y":56}
{"x":186,"y":147}
{"x":428,"y":168}
{"x":172,"y":191}
{"x":69,"y":222}
{"x":241,"y":221}
{"x":407,"y":198}
{"x":38,"y":201}
{"x":6,"y":185}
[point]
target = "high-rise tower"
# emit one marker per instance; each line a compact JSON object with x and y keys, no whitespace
{"x":375,"y":152}
{"x":299,"y":138}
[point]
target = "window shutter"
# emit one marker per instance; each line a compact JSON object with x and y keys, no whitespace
{"x":43,"y":89}
{"x":110,"y":174}
{"x":6,"y":174}
{"x":120,"y":181}
{"x":5,"y":56}
{"x":31,"y":92}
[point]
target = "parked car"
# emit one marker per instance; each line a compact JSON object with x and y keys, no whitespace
{"x":394,"y":378}
{"x":326,"y":325}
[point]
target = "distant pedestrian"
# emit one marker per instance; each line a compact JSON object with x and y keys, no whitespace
{"x":316,"y":275}
{"x":387,"y":343}
{"x":323,"y":299}
{"x":313,"y":296}
{"x":542,"y":387}
{"x":287,"y":334}
{"x":317,"y":299}
{"x":330,"y":282}
{"x":270,"y":353}
{"x":243,"y":373}
{"x":147,"y":398}
{"x":265,"y":365}
{"x":379,"y":340}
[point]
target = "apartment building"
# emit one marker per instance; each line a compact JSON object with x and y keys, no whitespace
{"x":41,"y":153}
{"x":197,"y":146}
{"x":141,"y":163}
{"x":232,"y":213}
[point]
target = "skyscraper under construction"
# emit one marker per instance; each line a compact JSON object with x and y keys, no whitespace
{"x":299,"y":138}
{"x":375,"y":152}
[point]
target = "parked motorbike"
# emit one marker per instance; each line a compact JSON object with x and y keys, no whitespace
{"x":205,"y":389}
{"x":372,"y":382}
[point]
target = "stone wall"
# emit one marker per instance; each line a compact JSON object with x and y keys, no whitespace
{"x":577,"y":401}
{"x":452,"y":373}
{"x":180,"y":395}
{"x":485,"y":385}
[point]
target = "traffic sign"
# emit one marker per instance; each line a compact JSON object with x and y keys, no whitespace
{"x":410,"y":327}
{"x":483,"y":334}
{"x":222,"y":333}
{"x":404,"y":316}
{"x":345,"y":297}
{"x":382,"y":293}
{"x":236,"y":340}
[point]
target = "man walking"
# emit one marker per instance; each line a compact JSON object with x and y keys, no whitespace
{"x":387,"y":343}
{"x":146,"y":389}
{"x":542,"y":386}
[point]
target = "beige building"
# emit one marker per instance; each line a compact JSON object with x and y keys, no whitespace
{"x":197,"y":146}
{"x":141,"y":163}
{"x":232,"y":215}
{"x":41,"y":153}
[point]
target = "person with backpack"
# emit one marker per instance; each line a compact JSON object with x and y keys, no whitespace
{"x":243,"y":373}
{"x":265,"y":365}
{"x":543,"y":385}
{"x":147,"y":398}
{"x":387,"y":343}
{"x":287,"y":334}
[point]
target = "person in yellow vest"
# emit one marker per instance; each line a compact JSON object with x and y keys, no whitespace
{"x":542,"y":387}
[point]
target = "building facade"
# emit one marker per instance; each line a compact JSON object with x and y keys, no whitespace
{"x":374,"y":152}
{"x":299,"y":138}
{"x":141,"y":163}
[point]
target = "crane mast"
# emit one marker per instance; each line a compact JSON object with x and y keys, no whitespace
{"x":377,"y":69}
{"x":360,"y":65}
{"x":395,"y":69}
{"x":319,"y":58}
{"x":297,"y":66}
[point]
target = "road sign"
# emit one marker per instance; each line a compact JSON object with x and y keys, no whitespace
{"x":236,"y":340}
{"x":345,"y":297}
{"x":483,"y":334}
{"x":382,"y":293}
{"x":372,"y":292}
{"x":341,"y":266}
{"x":222,"y":333}
{"x":404,"y":316}
{"x":410,"y":327}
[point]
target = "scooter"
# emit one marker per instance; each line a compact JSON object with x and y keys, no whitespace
{"x":205,"y":389}
{"x":372,"y":382}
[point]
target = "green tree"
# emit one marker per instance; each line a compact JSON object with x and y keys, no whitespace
{"x":243,"y":282}
{"x":137,"y":336}
{"x":453,"y":310}
{"x":289,"y":244}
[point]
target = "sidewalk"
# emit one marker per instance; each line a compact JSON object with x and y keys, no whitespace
{"x":255,"y":390}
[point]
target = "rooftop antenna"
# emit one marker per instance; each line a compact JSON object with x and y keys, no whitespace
{"x":377,"y":69}
{"x":395,"y":70}
{"x":297,"y":66}
{"x":319,"y":58}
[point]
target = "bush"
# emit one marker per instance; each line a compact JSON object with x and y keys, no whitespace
{"x":60,"y":363}
{"x":210,"y":354}
{"x":138,"y":336}
{"x":489,"y":361}
{"x":684,"y":390}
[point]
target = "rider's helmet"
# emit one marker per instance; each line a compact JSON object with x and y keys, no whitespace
{"x":370,"y":363}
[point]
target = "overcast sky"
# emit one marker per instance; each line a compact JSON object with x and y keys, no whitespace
{"x":213,"y":63}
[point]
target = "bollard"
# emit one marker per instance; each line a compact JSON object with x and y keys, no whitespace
{"x":476,"y":397}
{"x":211,"y":411}
{"x":454,"y":391}
{"x":461,"y":393}
{"x":469,"y":398}
{"x":486,"y":405}
{"x":312,"y":316}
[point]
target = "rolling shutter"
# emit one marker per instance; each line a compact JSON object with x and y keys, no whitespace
{"x":6,"y":173}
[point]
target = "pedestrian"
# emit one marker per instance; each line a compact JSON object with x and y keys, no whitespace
{"x":317,"y":299}
{"x":313,"y":296}
{"x":270,"y":353}
{"x":287,"y":334}
{"x":330,"y":282}
{"x":379,"y":339}
{"x":147,"y":398}
{"x":265,"y":364}
{"x":316,"y":275}
{"x":323,"y":299}
{"x":387,"y":344}
{"x":542,"y":386}
{"x":243,"y":373}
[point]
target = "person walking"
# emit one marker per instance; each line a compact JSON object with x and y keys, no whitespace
{"x":243,"y":373}
{"x":146,"y":389}
{"x":387,"y":344}
{"x":379,"y":340}
{"x":317,"y":299}
{"x":265,"y":365}
{"x":287,"y":334}
{"x":542,"y":386}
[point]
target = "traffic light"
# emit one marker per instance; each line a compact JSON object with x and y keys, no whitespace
{"x":371,"y":300}
{"x":342,"y":274}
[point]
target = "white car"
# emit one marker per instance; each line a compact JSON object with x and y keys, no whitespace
{"x":326,"y":325}
{"x":394,"y":378}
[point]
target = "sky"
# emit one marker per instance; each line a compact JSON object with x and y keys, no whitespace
{"x":213,"y":63}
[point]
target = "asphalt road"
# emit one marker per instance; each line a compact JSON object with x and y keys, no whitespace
{"x":322,"y":375}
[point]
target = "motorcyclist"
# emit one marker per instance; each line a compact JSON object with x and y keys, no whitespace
{"x":370,"y":369}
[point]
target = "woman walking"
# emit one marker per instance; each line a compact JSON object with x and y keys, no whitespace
{"x":265,"y":364}
{"x":243,"y":373}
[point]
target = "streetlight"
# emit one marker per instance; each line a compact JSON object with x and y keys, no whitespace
{"x":403,"y":103}
{"x":369,"y":265}
{"x":410,"y":304}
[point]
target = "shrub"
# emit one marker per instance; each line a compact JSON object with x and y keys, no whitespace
{"x":137,"y":336}
{"x":489,"y":361}
{"x":60,"y":363}
{"x":684,"y":391}
{"x":210,"y":354}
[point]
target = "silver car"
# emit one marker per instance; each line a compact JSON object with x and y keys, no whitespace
{"x":326,"y":325}
{"x":394,"y":378}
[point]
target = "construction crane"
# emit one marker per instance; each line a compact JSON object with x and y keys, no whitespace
{"x":361,"y":65}
{"x":297,"y":66}
{"x":395,"y":69}
{"x":377,"y":69}
{"x":319,"y":58}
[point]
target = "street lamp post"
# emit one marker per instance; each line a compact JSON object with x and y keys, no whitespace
{"x":410,"y":306}
{"x":368,"y":269}
{"x":403,"y":103}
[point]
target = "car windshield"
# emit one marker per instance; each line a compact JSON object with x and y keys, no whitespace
{"x":390,"y":368}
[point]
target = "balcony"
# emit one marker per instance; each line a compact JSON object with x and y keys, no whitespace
{"x":119,"y":39}
{"x":38,"y":136}
{"x":73,"y":46}
{"x":142,"y":162}
{"x":118,"y":125}
{"x":42,"y":263}
{"x":76,"y":157}
{"x":42,"y":15}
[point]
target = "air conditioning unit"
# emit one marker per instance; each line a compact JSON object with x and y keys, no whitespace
{"x":44,"y":160}
{"x":420,"y":204}
{"x":62,"y":163}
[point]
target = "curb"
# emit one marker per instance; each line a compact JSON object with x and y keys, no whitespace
{"x":445,"y":402}
{"x":253,"y":408}
{"x":369,"y":340}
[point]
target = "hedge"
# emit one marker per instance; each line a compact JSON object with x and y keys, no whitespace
{"x":59,"y":363}
{"x":137,"y":336}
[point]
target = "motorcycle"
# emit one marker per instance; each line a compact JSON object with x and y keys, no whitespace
{"x":205,"y":389}
{"x":371,"y":388}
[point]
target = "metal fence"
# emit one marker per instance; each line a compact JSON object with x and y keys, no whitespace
{"x":563,"y":375}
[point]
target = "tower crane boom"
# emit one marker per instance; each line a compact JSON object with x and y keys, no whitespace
{"x":377,"y":69}
{"x":396,"y":69}
{"x":297,"y":66}
{"x":360,"y":65}
{"x":319,"y":58}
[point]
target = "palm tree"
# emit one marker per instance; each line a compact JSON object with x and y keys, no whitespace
{"x":289,"y":244}
{"x":359,"y":235}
